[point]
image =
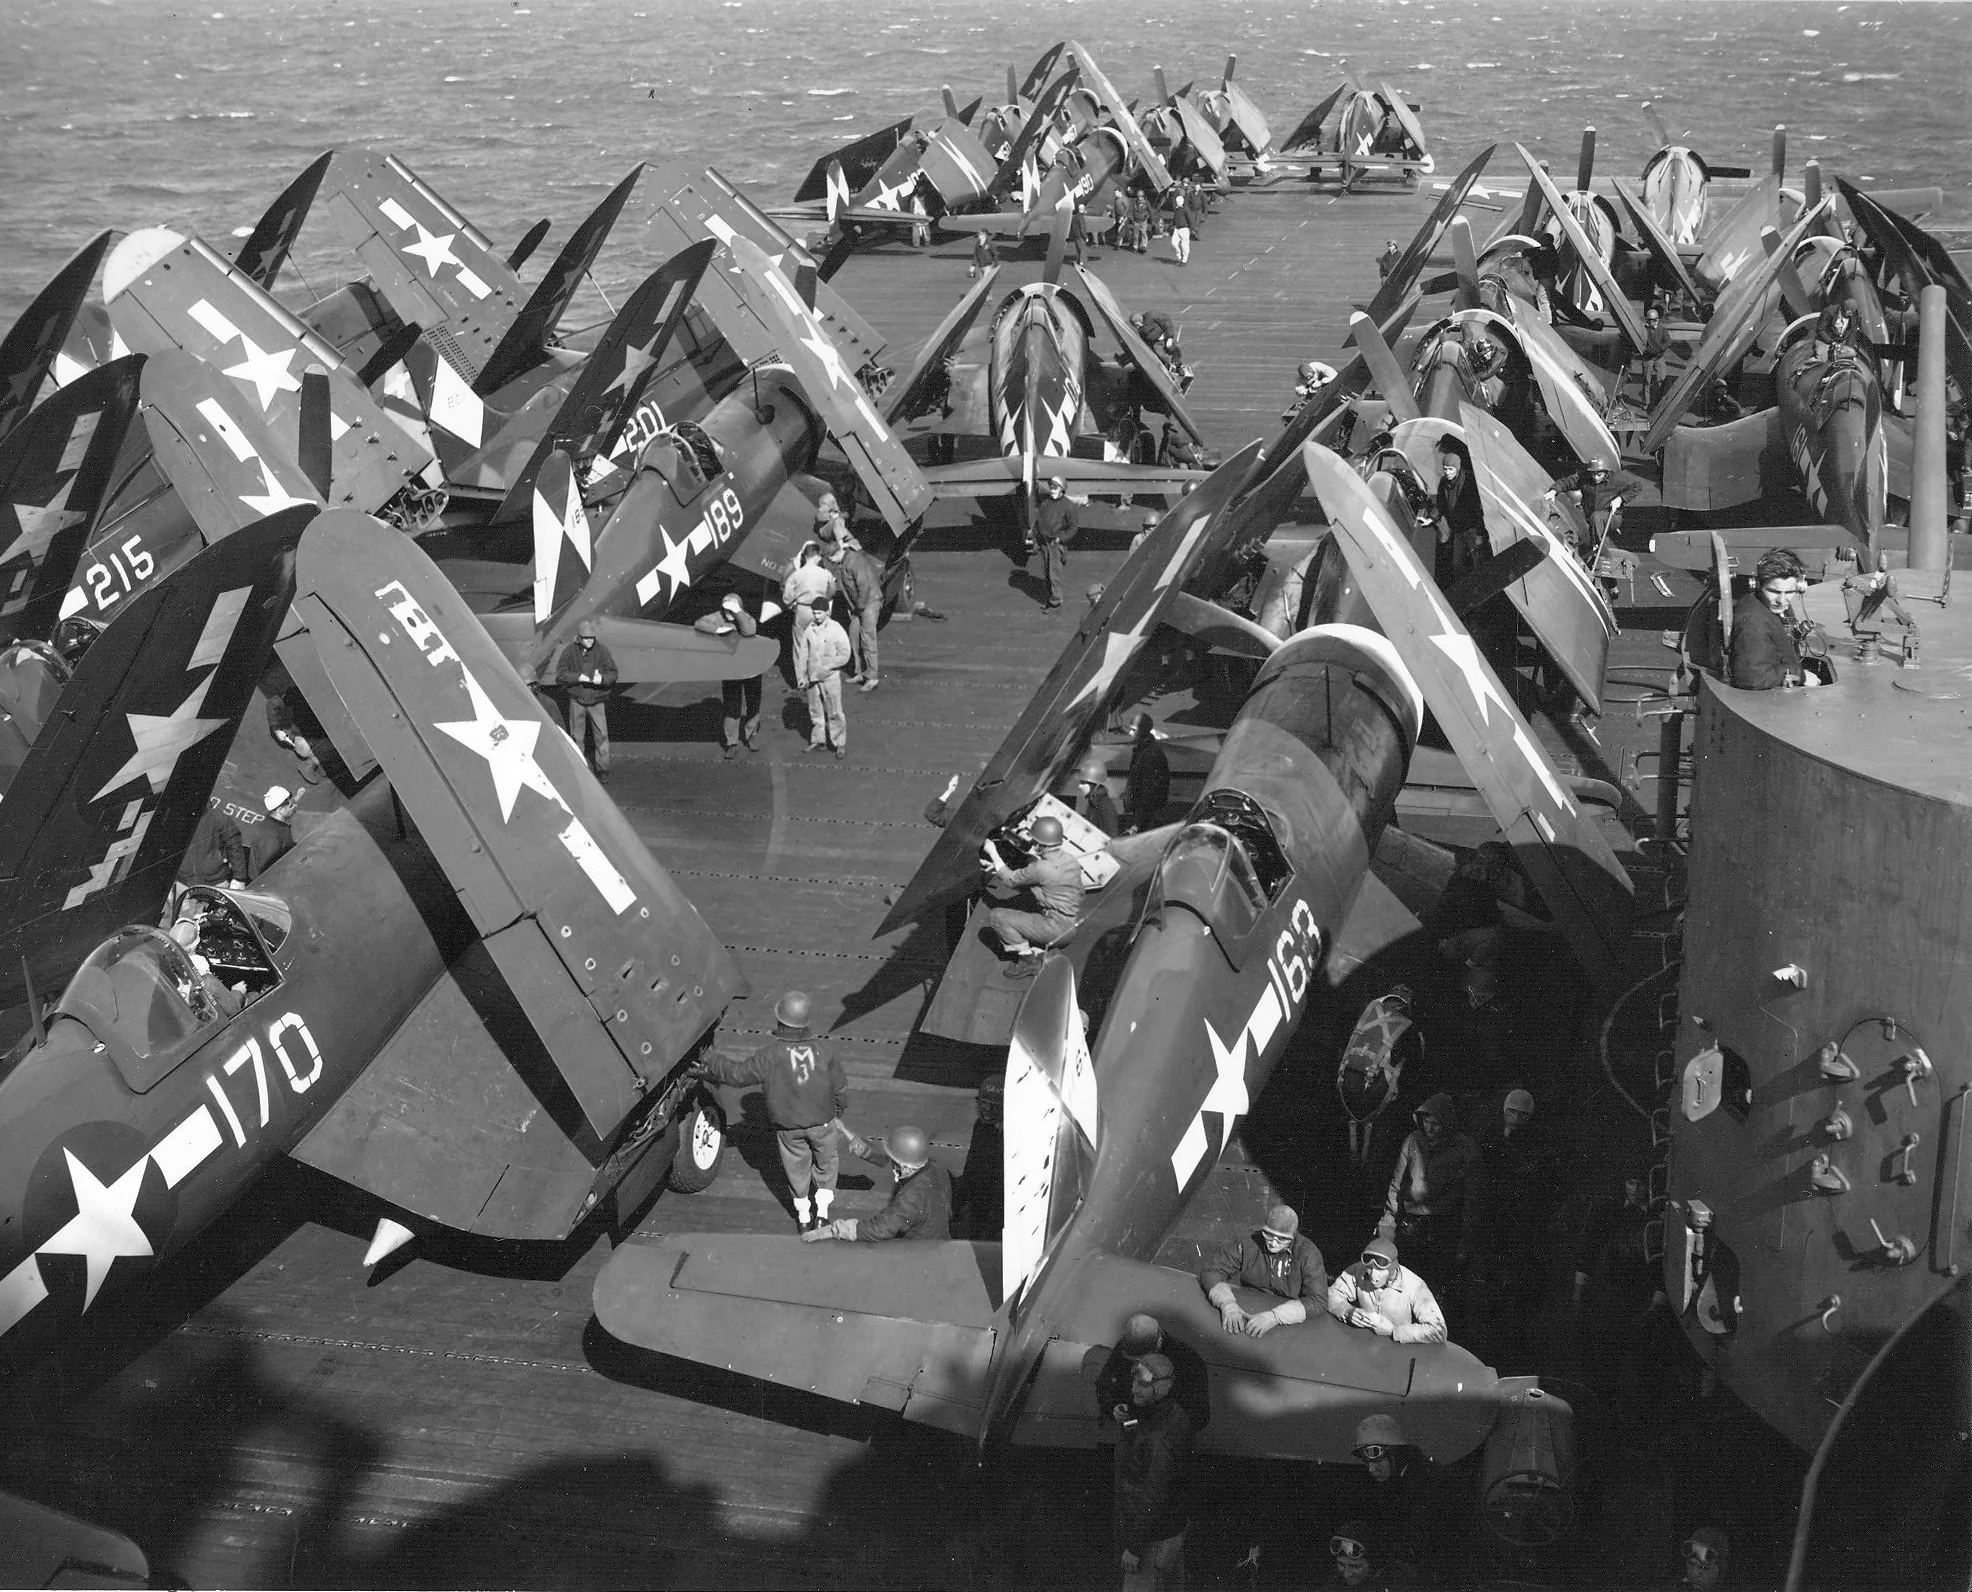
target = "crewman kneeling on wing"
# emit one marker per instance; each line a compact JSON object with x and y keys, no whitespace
{"x":920,"y":1206}
{"x":1278,"y":1260}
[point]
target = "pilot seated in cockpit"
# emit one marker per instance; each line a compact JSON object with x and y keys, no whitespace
{"x":208,"y":992}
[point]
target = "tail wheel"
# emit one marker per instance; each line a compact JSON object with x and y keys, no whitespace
{"x":701,"y":1146}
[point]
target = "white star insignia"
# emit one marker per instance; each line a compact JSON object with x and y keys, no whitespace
{"x":1227,"y":1095}
{"x":1464,"y":653}
{"x":161,"y":740}
{"x":1118,"y":647}
{"x":435,"y":249}
{"x":41,"y":523}
{"x":508,"y":747}
{"x":267,"y":371}
{"x":637,"y":358}
{"x":104,"y":1225}
{"x":275,"y":496}
{"x":675,"y":565}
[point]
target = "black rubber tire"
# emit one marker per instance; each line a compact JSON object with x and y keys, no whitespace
{"x":701,"y":1146}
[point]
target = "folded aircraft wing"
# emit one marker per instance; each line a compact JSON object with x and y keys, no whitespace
{"x":887,"y":472}
{"x":1308,"y":131}
{"x":1559,"y":599}
{"x":1734,"y":244}
{"x":56,"y":468}
{"x":629,"y":353}
{"x":166,"y":291}
{"x":1585,"y":251}
{"x":1425,"y":242}
{"x":1057,"y":720}
{"x":266,"y":248}
{"x":1919,"y":261}
{"x":917,"y":391}
{"x":1406,"y":119}
{"x":1663,"y":252}
{"x":911,"y":1328}
{"x":1578,"y":876}
{"x":96,"y":822}
{"x":617,"y":971}
{"x":1155,"y":371}
{"x":701,"y":203}
{"x":1570,"y":387}
{"x":526,"y":340}
{"x":1119,"y":112}
{"x":433,"y":266}
{"x":1736,"y":320}
{"x":28,"y":351}
{"x":222,"y":460}
{"x":860,"y":159}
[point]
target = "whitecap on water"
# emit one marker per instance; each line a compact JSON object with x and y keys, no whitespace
{"x":828,"y":93}
{"x":1811,"y":33}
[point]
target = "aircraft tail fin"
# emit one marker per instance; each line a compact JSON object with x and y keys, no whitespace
{"x":55,"y":470}
{"x":887,"y":472}
{"x":1051,"y":1123}
{"x":620,"y":367}
{"x":267,"y":247}
{"x":525,"y":341}
{"x":562,"y":536}
{"x":28,"y":351}
{"x":98,"y":817}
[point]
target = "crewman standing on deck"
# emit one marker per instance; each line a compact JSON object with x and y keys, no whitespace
{"x":807,"y":1092}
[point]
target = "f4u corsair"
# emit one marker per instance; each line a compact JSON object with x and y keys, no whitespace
{"x":480,"y":1022}
{"x":1221,"y":931}
{"x":1026,"y":375}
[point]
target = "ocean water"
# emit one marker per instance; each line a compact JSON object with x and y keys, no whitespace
{"x":129,"y":113}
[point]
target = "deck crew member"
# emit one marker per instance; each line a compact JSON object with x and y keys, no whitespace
{"x":1054,"y":881}
{"x":920,"y":1205}
{"x":1604,"y":488}
{"x":1383,"y":1297}
{"x":216,"y":856}
{"x":1763,"y":654}
{"x":1145,"y":1334}
{"x":807,"y":1091}
{"x":587,"y":671}
{"x":740,"y":698}
{"x":861,"y":584}
{"x":1055,"y":525}
{"x":821,"y":653}
{"x":1436,"y":1194}
{"x":1086,"y":791}
{"x":1155,"y":1436}
{"x":273,"y":839}
{"x":1278,"y":1259}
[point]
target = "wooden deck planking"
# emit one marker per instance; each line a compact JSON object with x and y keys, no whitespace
{"x":279,"y":1419}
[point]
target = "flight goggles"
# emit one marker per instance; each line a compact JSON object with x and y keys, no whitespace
{"x":1699,"y":1554}
{"x":1376,"y":1262}
{"x":1370,"y":1453}
{"x":1347,"y":1548}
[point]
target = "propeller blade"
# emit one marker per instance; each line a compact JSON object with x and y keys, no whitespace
{"x":1387,"y":375}
{"x":1780,"y":152}
{"x":1585,"y":163}
{"x":1466,"y":260}
{"x":1657,"y":125}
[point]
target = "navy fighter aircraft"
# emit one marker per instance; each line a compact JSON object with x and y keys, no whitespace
{"x":1028,"y":377}
{"x":1362,"y":132}
{"x":1231,"y":924}
{"x":483,"y":1026}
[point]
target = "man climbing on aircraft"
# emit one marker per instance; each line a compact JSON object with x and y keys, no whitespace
{"x":1604,"y":487}
{"x":1279,"y":1260}
{"x":920,"y":1206}
{"x":1054,"y":879}
{"x":587,"y":672}
{"x":807,"y":1091}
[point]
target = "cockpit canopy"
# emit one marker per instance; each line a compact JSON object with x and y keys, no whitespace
{"x":146,"y":1002}
{"x":1225,"y":867}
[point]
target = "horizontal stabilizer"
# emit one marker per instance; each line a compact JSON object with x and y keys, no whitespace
{"x":910,"y":1327}
{"x":997,"y":474}
{"x":1723,"y":466}
{"x":904,"y":1326}
{"x":650,"y":651}
{"x":616,"y":969}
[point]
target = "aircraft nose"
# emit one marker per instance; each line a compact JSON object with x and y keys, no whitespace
{"x":135,"y":255}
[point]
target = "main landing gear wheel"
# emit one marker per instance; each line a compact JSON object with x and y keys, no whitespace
{"x":701,"y":1147}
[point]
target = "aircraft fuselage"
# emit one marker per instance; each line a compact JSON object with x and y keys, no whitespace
{"x":1040,"y":348}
